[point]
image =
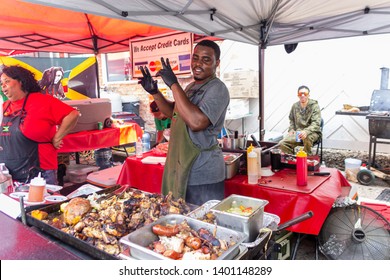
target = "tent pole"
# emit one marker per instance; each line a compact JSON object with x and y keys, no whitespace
{"x":97,"y":76}
{"x":261,"y":92}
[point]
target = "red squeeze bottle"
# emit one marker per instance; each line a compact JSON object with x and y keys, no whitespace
{"x":301,"y":168}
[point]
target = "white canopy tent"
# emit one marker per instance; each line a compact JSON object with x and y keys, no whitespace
{"x":258,"y":22}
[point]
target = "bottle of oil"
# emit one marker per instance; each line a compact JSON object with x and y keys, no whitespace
{"x":252,"y":169}
{"x":258,"y":151}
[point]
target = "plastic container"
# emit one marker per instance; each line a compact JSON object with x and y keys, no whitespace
{"x":138,"y":148}
{"x":352,"y":164}
{"x":103,"y":158}
{"x":145,"y":141}
{"x":301,"y":168}
{"x":78,"y":173}
{"x":115,"y":98}
{"x":252,"y":168}
{"x":37,"y":189}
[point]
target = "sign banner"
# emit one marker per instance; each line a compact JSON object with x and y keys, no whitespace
{"x":64,"y":78}
{"x":148,"y":52}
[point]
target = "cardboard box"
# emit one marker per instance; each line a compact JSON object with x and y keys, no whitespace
{"x":91,"y":112}
{"x":237,"y":108}
{"x":242,"y":84}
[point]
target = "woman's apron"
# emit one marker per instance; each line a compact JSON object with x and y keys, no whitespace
{"x":19,"y":153}
{"x":181,"y":156}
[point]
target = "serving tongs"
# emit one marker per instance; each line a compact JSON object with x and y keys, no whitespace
{"x":118,"y":192}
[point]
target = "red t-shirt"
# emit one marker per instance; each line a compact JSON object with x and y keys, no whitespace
{"x":44,"y":113}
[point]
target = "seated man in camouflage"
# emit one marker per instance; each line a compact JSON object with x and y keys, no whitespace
{"x":305,"y":123}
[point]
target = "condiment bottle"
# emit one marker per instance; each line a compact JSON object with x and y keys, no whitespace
{"x":252,"y":168}
{"x":138,"y":148}
{"x":301,"y":168}
{"x":37,"y":189}
{"x":257,"y":150}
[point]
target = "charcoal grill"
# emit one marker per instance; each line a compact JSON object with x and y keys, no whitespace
{"x":378,"y":122}
{"x":378,"y":116}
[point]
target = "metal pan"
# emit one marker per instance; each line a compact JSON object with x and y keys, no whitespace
{"x":64,"y":237}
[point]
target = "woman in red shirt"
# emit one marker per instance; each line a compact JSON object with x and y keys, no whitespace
{"x":33,"y":125}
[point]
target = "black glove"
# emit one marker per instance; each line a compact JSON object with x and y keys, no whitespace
{"x":166,"y":73}
{"x":147,"y":81}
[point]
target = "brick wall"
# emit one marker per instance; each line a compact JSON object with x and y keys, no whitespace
{"x":134,"y":89}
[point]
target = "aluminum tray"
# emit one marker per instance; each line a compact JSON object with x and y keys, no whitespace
{"x":202,"y":210}
{"x":250,"y":225}
{"x":139,"y":240}
{"x":269,"y":220}
{"x":76,"y":243}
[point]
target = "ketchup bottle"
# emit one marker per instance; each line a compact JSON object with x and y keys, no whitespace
{"x":301,"y":168}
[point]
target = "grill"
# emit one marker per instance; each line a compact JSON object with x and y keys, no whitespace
{"x":379,"y":117}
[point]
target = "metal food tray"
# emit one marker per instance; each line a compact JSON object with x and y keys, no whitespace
{"x":247,"y":224}
{"x":203,"y":209}
{"x":63,"y":236}
{"x":269,"y":220}
{"x":139,"y":240}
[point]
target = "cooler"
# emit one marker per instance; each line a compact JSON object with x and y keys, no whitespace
{"x":91,"y":112}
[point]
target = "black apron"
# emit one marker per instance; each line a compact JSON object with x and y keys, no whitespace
{"x":180,"y":158}
{"x":18,"y":152}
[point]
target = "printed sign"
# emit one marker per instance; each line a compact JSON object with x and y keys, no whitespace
{"x":148,"y":52}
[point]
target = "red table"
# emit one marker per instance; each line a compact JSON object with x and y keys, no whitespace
{"x":290,"y":202}
{"x":146,"y":177}
{"x":97,"y":139}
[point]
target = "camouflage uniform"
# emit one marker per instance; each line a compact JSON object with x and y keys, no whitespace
{"x":308,"y":120}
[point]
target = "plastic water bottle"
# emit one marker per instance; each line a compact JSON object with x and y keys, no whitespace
{"x":4,"y":168}
{"x":301,"y":168}
{"x":103,"y":158}
{"x":5,"y":180}
{"x":146,"y":142}
{"x":138,"y":148}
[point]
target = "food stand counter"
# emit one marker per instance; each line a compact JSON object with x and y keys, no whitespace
{"x":288,"y":201}
{"x":285,"y":199}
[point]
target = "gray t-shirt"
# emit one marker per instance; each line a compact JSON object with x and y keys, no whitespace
{"x":212,"y":99}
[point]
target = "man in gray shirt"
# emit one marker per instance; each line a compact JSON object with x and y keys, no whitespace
{"x":195,"y":168}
